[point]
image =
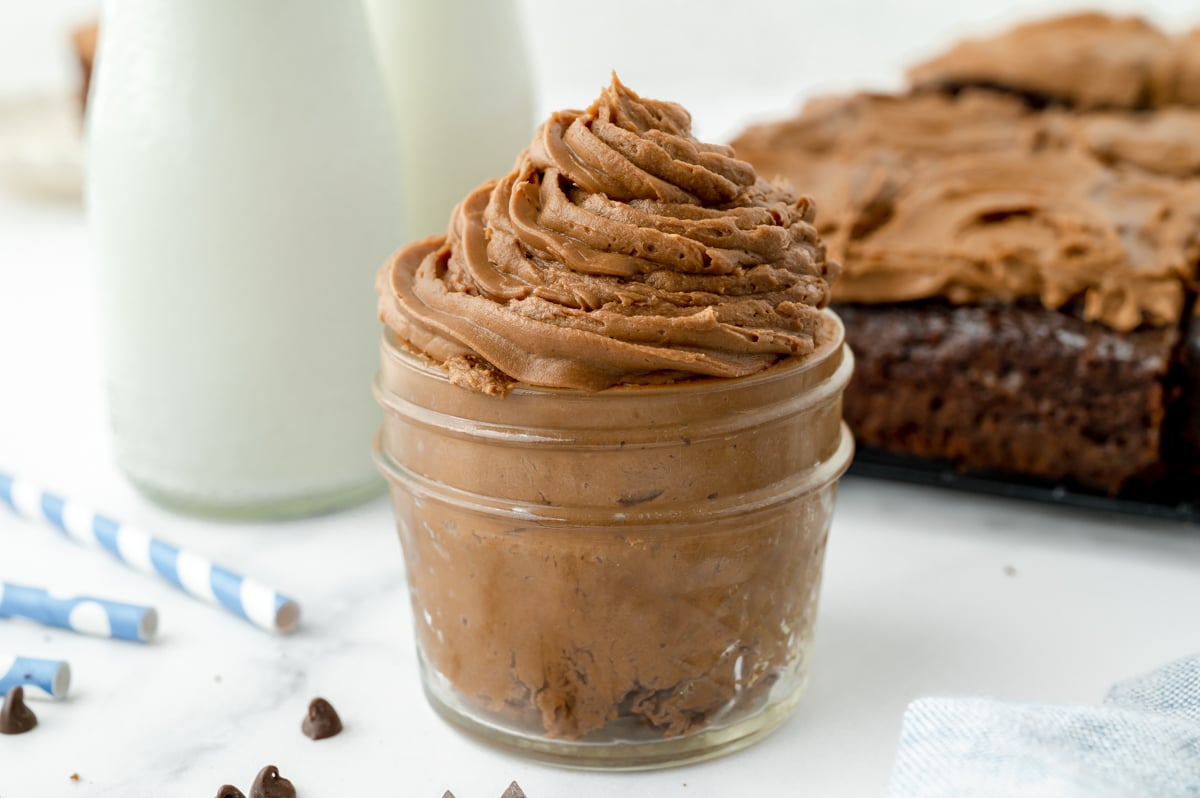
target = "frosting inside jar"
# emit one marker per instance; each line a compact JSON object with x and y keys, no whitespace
{"x":619,"y":250}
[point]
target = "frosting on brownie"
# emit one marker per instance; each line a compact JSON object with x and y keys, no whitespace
{"x":1166,"y":142}
{"x":1185,"y":71}
{"x":619,"y":250}
{"x":1053,"y":224}
{"x":1087,"y":60}
{"x":976,"y":195}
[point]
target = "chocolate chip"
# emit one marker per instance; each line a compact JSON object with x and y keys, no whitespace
{"x":514,"y":791}
{"x":321,"y":721}
{"x":229,"y":791}
{"x":269,"y":784}
{"x":447,"y":794}
{"x":15,"y":717}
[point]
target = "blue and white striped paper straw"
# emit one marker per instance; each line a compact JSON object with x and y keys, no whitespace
{"x":84,"y":614}
{"x":191,"y":573}
{"x":51,"y":677}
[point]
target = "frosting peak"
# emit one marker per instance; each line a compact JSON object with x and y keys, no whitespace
{"x":619,"y":250}
{"x":628,"y":148}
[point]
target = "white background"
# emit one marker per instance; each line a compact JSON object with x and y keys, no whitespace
{"x":726,"y":61}
{"x":917,"y":599}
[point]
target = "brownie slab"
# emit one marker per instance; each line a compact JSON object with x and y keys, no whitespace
{"x":1019,"y":235}
{"x":1011,"y":388}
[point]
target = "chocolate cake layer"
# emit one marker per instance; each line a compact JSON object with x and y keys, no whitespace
{"x":1015,"y":388}
{"x":1184,"y":448}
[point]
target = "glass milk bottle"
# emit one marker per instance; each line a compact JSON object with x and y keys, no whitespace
{"x":243,"y":187}
{"x":460,"y":84}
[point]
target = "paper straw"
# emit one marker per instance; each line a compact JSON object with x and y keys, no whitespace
{"x":51,"y":677}
{"x":189,"y":572}
{"x":84,"y":614}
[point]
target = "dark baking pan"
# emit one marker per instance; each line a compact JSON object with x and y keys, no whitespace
{"x":1170,"y":501}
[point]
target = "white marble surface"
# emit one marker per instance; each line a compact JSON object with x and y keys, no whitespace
{"x":917,"y":601}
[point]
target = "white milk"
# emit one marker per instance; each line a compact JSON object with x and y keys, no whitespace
{"x":243,"y":187}
{"x":461,"y":88}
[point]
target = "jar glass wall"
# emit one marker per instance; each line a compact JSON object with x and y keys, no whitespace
{"x":619,"y":579}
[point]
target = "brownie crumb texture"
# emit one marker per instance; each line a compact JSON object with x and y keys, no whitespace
{"x":984,"y":387}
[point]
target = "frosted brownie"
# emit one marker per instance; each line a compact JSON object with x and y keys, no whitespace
{"x":1019,"y":265}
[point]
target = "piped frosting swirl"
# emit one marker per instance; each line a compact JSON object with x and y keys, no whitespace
{"x":618,"y":250}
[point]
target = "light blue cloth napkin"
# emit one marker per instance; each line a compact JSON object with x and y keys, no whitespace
{"x":1142,"y":742}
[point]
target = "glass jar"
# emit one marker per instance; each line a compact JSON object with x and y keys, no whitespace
{"x":620,"y":579}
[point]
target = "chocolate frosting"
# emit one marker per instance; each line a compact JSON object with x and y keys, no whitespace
{"x":1185,"y":78}
{"x":1056,"y":225}
{"x":1166,"y":142}
{"x":930,"y":125}
{"x":1087,"y":60}
{"x":619,"y":250}
{"x":976,"y":197}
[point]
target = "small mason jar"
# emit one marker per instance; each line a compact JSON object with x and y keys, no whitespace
{"x":622,"y":579}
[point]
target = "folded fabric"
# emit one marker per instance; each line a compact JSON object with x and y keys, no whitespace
{"x":1142,"y":742}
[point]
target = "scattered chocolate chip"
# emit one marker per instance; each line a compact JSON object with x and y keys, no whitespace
{"x":229,"y":791}
{"x":447,"y":794}
{"x":321,"y":721}
{"x":269,"y":784}
{"x":15,"y":717}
